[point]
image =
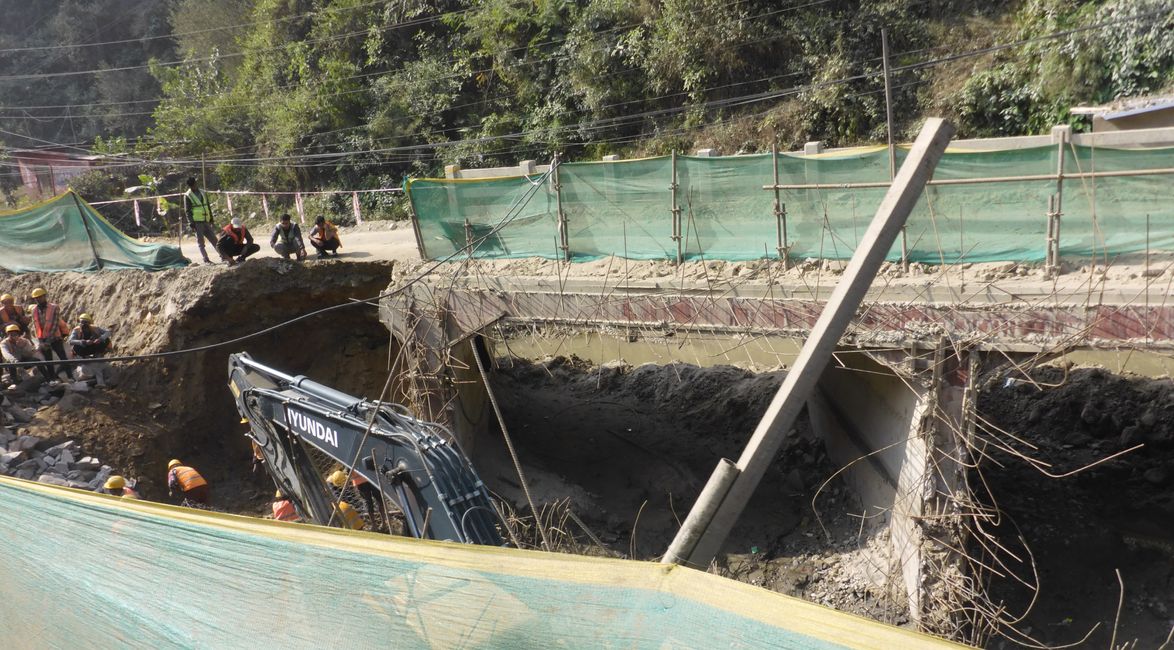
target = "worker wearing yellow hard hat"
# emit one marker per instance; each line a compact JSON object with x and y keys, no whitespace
{"x":15,"y":348}
{"x":89,"y":341}
{"x":50,"y":330}
{"x":193,"y":488}
{"x":118,"y":486}
{"x":283,"y":508}
{"x":12,"y":313}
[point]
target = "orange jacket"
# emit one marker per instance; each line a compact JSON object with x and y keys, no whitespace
{"x":284,"y":511}
{"x":44,"y":321}
{"x":185,"y":477}
{"x":15,"y":314}
{"x":239,"y":235}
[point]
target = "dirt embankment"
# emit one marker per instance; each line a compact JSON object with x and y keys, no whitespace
{"x":180,"y":406}
{"x":1074,"y":530}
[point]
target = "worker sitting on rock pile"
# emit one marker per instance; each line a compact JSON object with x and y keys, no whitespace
{"x":17,"y":349}
{"x":236,"y":243}
{"x":89,"y":341}
{"x":324,"y":237}
{"x":13,"y":314}
{"x":287,"y":239}
{"x":188,"y":481}
{"x":118,"y":486}
{"x":50,"y":330}
{"x":283,"y":508}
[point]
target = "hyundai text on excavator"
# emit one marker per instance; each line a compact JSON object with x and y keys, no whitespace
{"x":415,"y":464}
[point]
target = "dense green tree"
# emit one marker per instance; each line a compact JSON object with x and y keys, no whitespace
{"x":320,"y":93}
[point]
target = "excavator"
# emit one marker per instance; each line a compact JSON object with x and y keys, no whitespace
{"x":415,"y":464}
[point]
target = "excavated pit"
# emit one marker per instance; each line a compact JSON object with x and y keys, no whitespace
{"x":630,"y":447}
{"x":1074,"y":527}
{"x":180,"y":406}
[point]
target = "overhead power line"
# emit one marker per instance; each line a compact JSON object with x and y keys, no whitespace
{"x":223,"y":28}
{"x":309,"y":160}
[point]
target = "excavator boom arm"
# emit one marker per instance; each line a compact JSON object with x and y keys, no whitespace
{"x":412,"y":462}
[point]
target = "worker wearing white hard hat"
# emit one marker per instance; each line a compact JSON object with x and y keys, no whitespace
{"x":236,"y":243}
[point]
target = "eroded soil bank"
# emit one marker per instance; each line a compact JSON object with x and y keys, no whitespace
{"x":1073,"y":528}
{"x":179,"y":406}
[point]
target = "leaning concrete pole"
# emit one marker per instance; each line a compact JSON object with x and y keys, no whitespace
{"x":729,"y":488}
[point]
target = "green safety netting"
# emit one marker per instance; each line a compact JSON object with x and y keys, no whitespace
{"x":624,"y":208}
{"x":86,"y":570}
{"x":67,"y":234}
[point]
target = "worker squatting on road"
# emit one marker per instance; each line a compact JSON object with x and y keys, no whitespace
{"x":88,"y":341}
{"x":199,"y":213}
{"x":287,"y":239}
{"x":236,"y":243}
{"x":188,"y":482}
{"x":50,"y":330}
{"x":324,"y":237}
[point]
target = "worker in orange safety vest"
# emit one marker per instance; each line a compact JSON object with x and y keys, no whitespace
{"x":11,"y":313}
{"x":236,"y":243}
{"x":50,"y":330}
{"x":188,"y":481}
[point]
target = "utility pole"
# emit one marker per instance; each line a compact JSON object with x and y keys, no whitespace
{"x":730,"y":487}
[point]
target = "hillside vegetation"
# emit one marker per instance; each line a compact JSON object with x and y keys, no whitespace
{"x":353,"y":93}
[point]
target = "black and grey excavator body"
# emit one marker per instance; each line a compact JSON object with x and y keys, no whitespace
{"x":415,"y":464}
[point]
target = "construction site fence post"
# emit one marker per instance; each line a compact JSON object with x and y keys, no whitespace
{"x":675,"y":210}
{"x":1059,"y":207}
{"x":415,"y":223}
{"x":780,"y":211}
{"x":564,"y":240}
{"x":813,"y":358}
